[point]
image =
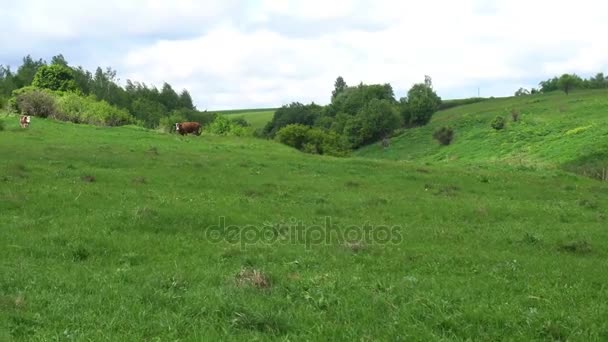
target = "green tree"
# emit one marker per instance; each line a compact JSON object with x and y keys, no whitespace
{"x":375,"y":120}
{"x":148,"y":111}
{"x":420,"y":104}
{"x":294,"y":113}
{"x":568,"y":82}
{"x":599,"y":81}
{"x":59,"y":60}
{"x":7,"y":82}
{"x":26,"y":72}
{"x":549,"y":85}
{"x":185,"y":100}
{"x":54,"y":77}
{"x":168,"y":97}
{"x":339,"y":87}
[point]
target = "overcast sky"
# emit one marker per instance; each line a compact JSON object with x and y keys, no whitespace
{"x":265,"y":53}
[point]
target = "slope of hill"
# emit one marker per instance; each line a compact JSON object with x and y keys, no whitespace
{"x":554,"y":130}
{"x":114,"y":234}
{"x":257,"y":119}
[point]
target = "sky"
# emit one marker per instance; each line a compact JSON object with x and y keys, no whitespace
{"x":266,"y":53}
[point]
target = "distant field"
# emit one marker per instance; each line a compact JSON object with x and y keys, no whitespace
{"x":257,"y":119}
{"x":244,"y":111}
{"x":116,"y":234}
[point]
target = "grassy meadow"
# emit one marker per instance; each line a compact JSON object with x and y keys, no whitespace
{"x":257,"y":119}
{"x":125,"y":234}
{"x":553,"y":131}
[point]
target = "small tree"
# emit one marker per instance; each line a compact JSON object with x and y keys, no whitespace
{"x":55,"y":77}
{"x":522,"y":92}
{"x":444,"y":135}
{"x":498,"y":123}
{"x":568,"y":82}
{"x":339,"y":87}
{"x":420,"y":104}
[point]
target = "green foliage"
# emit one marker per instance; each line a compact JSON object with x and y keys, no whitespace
{"x":1,"y":125}
{"x":294,"y":135}
{"x":224,"y":126}
{"x":420,"y":104}
{"x":148,"y":111}
{"x":339,"y":87}
{"x":26,"y":72}
{"x":33,"y":101}
{"x":377,"y":119}
{"x":185,"y":100}
{"x":444,"y":135}
{"x":352,"y":99}
{"x":568,"y":82}
{"x":78,"y":109}
{"x":522,"y":92}
{"x":498,"y":123}
{"x":54,"y":77}
{"x":312,"y":140}
{"x":294,"y":113}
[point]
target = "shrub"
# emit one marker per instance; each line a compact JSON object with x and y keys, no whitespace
{"x":294,"y":113}
{"x":294,"y":135}
{"x":444,"y":135}
{"x":498,"y":123}
{"x":88,"y":110}
{"x":34,"y":102}
{"x":1,"y":125}
{"x":224,"y":126}
{"x":312,"y":140}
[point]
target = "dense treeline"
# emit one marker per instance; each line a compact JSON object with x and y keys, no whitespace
{"x":357,"y":116}
{"x":147,"y":104}
{"x":566,"y":83}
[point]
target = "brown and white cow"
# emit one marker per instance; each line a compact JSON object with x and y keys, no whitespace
{"x":184,"y":128}
{"x":24,"y":121}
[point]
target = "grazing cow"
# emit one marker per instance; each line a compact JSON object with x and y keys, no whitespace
{"x":24,"y":121}
{"x":184,"y":128}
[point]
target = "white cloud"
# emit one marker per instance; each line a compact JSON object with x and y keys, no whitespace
{"x":231,"y":54}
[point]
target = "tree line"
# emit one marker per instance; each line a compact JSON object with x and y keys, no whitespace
{"x":148,"y":104}
{"x":356,"y":116}
{"x":567,"y":83}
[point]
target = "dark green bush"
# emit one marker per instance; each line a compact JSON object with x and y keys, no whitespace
{"x":1,"y":125}
{"x":294,"y":113}
{"x":499,"y":123}
{"x":444,"y":135}
{"x":312,"y":140}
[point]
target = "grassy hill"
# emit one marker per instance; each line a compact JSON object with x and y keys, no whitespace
{"x":113,"y":234}
{"x":257,"y":119}
{"x":554,"y":131}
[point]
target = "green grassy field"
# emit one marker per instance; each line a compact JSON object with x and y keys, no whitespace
{"x":115,"y":234}
{"x":257,"y":119}
{"x":554,"y":131}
